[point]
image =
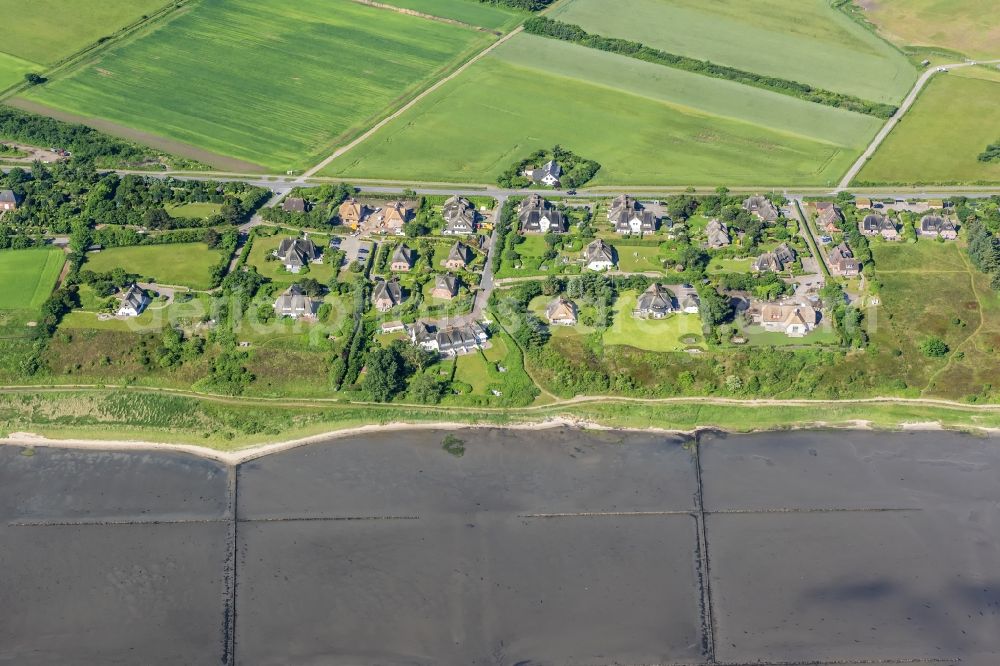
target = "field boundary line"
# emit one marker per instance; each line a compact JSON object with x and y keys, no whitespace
{"x":99,"y":46}
{"x":406,"y":107}
{"x":430,"y":17}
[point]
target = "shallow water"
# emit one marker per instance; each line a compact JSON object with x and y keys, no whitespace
{"x":535,"y":547}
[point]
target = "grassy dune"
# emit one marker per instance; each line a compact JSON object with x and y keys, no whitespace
{"x":971,"y":27}
{"x":269,"y":82}
{"x":645,"y":124}
{"x":801,"y":40}
{"x":28,"y":276}
{"x":954,"y":120}
{"x":46,"y":31}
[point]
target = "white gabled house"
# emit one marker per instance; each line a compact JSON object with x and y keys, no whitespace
{"x":133,"y":302}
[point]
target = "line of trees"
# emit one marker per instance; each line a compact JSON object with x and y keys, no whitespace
{"x":526,"y":5}
{"x":546,"y":27}
{"x":86,"y":144}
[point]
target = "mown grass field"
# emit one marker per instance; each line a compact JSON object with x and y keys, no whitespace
{"x":264,"y":81}
{"x":28,"y":276}
{"x":646,"y":124}
{"x":971,"y":27}
{"x":801,"y":40}
{"x":13,"y":69}
{"x":474,"y":13}
{"x":200,"y":210}
{"x":938,"y":141}
{"x":184,"y":264}
{"x":46,"y":31}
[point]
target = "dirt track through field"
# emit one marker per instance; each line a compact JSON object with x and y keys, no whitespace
{"x":173,"y":147}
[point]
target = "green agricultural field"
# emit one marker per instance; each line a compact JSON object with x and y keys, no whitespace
{"x":28,"y":276}
{"x":940,"y":138}
{"x":268,"y":82}
{"x":646,"y":124}
{"x":474,"y":13}
{"x":13,"y":69}
{"x":184,"y":264}
{"x":46,"y":31}
{"x":658,"y":335}
{"x":801,"y":40}
{"x":966,"y":26}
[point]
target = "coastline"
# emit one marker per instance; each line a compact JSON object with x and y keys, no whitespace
{"x":254,"y":451}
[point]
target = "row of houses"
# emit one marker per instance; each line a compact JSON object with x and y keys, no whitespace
{"x":655,"y":303}
{"x":388,"y":294}
{"x":387,"y":219}
{"x":450,"y":341}
{"x":403,"y":258}
{"x":930,"y":226}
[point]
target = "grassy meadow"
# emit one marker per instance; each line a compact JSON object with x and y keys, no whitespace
{"x":646,"y":124}
{"x":28,"y":276}
{"x":938,"y":141}
{"x":658,"y":335}
{"x":184,"y":264}
{"x":267,"y":82}
{"x":46,"y":31}
{"x":13,"y":69}
{"x":801,"y":40}
{"x":966,"y":26}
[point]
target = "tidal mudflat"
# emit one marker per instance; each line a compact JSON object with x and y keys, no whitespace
{"x":534,"y":547}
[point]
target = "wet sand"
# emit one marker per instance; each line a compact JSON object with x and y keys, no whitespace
{"x":536,"y":547}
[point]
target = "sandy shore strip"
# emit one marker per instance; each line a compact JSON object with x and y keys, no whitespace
{"x":253,"y":451}
{"x":32,"y":440}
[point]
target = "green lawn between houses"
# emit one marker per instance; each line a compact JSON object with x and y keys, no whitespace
{"x":264,"y":246}
{"x":184,"y":264}
{"x":265,"y":81}
{"x":645,"y":123}
{"x":28,"y":276}
{"x":660,"y":335}
{"x":199,"y":210}
{"x":940,"y":138}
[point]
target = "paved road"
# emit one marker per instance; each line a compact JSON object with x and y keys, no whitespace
{"x":894,"y":120}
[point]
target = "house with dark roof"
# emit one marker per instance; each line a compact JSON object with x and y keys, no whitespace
{"x":628,"y":216}
{"x":687,"y":299}
{"x":654,"y":303}
{"x":452,"y":341}
{"x":387,"y":295}
{"x":294,"y":303}
{"x":717,"y":233}
{"x":879,"y":225}
{"x":445,"y":287}
{"x":561,"y":312}
{"x":133,"y":301}
{"x":295,"y":253}
{"x":459,"y":217}
{"x":842,"y":261}
{"x":761,"y":207}
{"x":402,"y":259}
{"x":548,"y":174}
{"x":459,"y":257}
{"x":599,"y":256}
{"x":538,"y":216}
{"x":935,"y":226}
{"x":295,"y":205}
{"x":776,"y":261}
{"x":828,"y":217}
{"x":9,"y":200}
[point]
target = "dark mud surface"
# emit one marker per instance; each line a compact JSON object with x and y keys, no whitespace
{"x":534,"y":548}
